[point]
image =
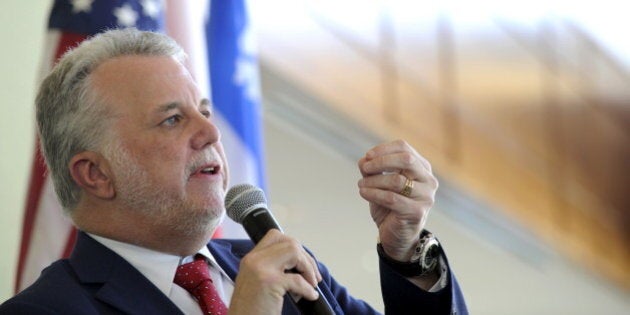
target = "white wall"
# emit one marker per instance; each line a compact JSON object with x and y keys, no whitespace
{"x":22,"y":27}
{"x":314,"y":196}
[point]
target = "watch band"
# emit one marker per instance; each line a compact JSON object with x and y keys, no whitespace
{"x":423,"y":261}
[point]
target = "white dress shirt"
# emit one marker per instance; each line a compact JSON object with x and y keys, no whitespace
{"x":159,"y":268}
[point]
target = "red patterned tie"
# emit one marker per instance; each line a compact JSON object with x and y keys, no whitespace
{"x":195,"y":278}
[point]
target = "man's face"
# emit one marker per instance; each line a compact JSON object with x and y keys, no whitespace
{"x":170,"y":163}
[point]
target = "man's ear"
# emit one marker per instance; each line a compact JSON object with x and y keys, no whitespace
{"x":91,"y":171}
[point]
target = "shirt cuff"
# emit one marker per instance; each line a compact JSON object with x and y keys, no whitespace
{"x":443,"y":281}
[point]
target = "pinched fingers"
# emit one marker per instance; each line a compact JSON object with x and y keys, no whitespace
{"x":395,"y":157}
{"x":401,"y":185}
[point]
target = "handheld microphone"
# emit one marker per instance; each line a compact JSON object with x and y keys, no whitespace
{"x":246,"y":204}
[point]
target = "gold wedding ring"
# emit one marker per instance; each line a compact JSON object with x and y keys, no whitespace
{"x":406,"y":191}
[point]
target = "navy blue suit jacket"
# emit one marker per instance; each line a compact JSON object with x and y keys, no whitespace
{"x":95,"y":280}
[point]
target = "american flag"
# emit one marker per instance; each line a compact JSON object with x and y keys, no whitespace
{"x":46,"y":234}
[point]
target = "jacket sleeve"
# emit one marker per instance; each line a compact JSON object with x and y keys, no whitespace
{"x":399,"y":296}
{"x":339,"y":298}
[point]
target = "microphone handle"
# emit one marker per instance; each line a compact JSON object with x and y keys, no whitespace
{"x":257,"y":224}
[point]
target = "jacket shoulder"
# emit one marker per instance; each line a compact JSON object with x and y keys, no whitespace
{"x":49,"y":294}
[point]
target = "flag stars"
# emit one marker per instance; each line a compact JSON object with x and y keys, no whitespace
{"x":151,"y":8}
{"x":81,"y":6}
{"x":126,"y":15}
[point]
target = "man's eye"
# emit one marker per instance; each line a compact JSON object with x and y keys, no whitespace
{"x":206,"y":113}
{"x":172,"y":121}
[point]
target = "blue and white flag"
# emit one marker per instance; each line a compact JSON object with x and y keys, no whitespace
{"x":235,"y":89}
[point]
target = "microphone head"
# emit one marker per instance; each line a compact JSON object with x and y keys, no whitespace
{"x":243,"y":199}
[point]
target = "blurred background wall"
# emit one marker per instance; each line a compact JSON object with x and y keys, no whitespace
{"x":522,"y":110}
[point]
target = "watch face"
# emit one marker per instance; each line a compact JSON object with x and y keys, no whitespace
{"x":433,"y":252}
{"x":430,"y":254}
{"x":431,"y":257}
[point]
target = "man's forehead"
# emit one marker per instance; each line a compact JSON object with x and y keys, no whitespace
{"x":153,"y":84}
{"x":137,"y":69}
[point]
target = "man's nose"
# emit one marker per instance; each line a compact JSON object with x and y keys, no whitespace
{"x":206,"y":132}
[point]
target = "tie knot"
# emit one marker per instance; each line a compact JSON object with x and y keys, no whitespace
{"x":191,"y":275}
{"x":195,"y":278}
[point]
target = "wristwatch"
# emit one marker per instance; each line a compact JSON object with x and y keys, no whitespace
{"x":423,"y":261}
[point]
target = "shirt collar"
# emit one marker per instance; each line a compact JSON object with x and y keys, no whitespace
{"x":159,"y":268}
{"x":205,"y":252}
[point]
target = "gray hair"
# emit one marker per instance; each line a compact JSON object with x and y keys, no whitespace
{"x":70,"y":117}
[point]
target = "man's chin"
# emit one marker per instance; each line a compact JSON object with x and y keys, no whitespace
{"x":197,"y":227}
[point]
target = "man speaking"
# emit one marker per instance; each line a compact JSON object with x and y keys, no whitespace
{"x":138,"y":166}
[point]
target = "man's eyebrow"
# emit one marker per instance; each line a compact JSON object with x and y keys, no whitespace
{"x":167,"y":107}
{"x":205,"y":103}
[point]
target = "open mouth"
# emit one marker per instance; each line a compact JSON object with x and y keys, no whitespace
{"x":212,"y":170}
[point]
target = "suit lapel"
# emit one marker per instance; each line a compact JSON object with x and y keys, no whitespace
{"x":228,"y":254}
{"x":121,"y":285}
